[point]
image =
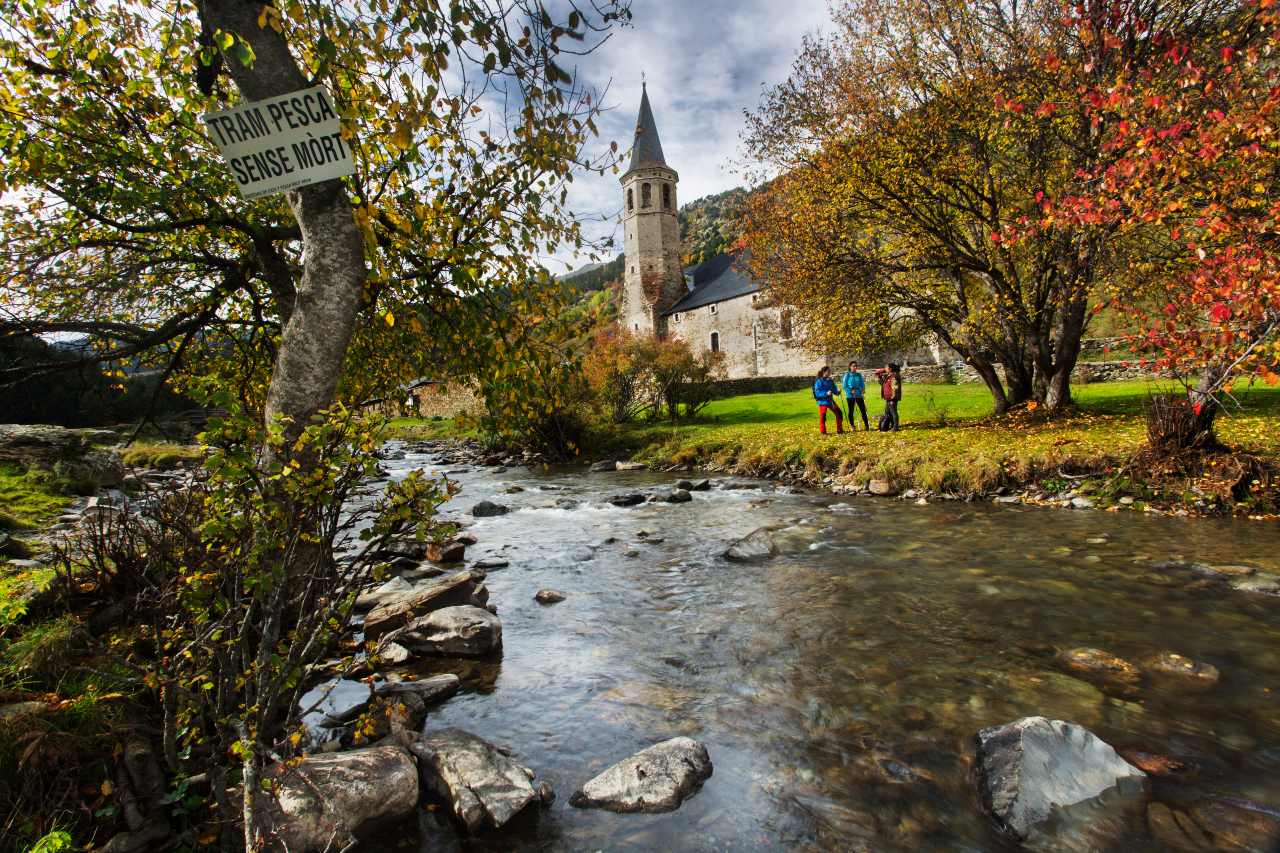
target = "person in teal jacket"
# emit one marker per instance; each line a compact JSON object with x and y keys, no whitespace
{"x":855,"y":389}
{"x":824,"y":392}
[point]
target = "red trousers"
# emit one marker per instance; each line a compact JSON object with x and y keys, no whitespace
{"x":822,"y":419}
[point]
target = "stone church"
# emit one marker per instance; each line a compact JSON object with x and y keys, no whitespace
{"x":715,"y":306}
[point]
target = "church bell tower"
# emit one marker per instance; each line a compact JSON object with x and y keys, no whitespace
{"x":653,"y":280}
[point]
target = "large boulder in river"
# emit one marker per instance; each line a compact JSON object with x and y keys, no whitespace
{"x":399,"y":609}
{"x":324,"y":801}
{"x":464,"y":630}
{"x":1034,"y":769}
{"x":657,"y":779}
{"x":757,"y":545}
{"x":484,"y":787}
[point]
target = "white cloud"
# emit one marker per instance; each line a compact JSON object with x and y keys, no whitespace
{"x":705,"y":61}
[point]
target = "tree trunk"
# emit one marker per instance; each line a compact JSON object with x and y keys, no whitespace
{"x":1066,"y":353}
{"x":315,"y":338}
{"x":991,"y":378}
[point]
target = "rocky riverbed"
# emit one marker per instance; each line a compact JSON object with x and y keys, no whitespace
{"x":835,"y":658}
{"x":616,"y":658}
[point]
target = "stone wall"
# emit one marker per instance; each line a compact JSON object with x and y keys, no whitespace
{"x":444,"y":400}
{"x":1085,"y":372}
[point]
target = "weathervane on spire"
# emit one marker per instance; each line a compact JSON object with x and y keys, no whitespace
{"x":641,"y":78}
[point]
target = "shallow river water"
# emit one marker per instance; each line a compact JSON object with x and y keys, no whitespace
{"x":838,"y":686}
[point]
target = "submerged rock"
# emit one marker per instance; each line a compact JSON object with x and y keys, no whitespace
{"x":484,"y":787}
{"x":397,"y":610}
{"x":759,"y":544}
{"x":1097,"y":663}
{"x":463,"y":630}
{"x":1170,"y":665}
{"x":604,"y":465}
{"x":1262,"y":584}
{"x":323,"y":801}
{"x":657,"y":779}
{"x":1031,"y":768}
{"x":488,"y":509}
{"x":679,"y":496}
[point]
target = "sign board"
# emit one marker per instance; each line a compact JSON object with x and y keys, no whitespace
{"x":281,"y":143}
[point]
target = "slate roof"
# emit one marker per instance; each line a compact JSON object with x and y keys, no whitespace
{"x":647,"y":148}
{"x":715,"y":280}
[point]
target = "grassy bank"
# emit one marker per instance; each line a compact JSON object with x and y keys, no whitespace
{"x":950,"y":443}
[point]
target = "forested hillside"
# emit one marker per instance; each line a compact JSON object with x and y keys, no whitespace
{"x":709,"y":225}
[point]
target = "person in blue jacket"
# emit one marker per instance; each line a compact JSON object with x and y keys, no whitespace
{"x":855,"y":389}
{"x":824,"y":391}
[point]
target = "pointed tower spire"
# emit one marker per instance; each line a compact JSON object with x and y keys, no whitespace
{"x":647,"y":149}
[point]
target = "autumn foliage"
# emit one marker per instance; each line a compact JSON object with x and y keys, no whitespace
{"x":1190,"y":170}
{"x":995,"y":174}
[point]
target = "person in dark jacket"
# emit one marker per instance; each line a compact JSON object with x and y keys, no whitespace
{"x":855,"y":389}
{"x":824,"y":391}
{"x":891,"y":393}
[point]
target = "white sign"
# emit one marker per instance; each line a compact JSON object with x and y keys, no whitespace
{"x":282,"y":143}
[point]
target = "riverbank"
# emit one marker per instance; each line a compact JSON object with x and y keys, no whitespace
{"x":951,"y":446}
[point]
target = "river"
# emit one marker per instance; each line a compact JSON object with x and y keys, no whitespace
{"x":838,"y":686}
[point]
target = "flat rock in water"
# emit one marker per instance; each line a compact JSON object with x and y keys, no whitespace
{"x":1099,"y":664}
{"x":464,"y":630}
{"x":488,"y":563}
{"x":1171,"y":665}
{"x":632,"y":499}
{"x":1032,"y":768}
{"x":389,"y":591}
{"x":459,"y":588}
{"x":630,"y":466}
{"x":756,"y":546}
{"x":484,"y":787}
{"x":323,"y":801}
{"x":488,"y":509}
{"x":657,"y":779}
{"x":700,"y":486}
{"x":549,"y":596}
{"x":604,"y":465}
{"x":437,"y":688}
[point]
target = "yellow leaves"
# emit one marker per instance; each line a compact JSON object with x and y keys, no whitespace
{"x":402,"y":135}
{"x":389,"y":318}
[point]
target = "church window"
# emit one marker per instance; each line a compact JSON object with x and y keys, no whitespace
{"x":715,"y":342}
{"x":646,"y":195}
{"x":784,"y":323}
{"x":666,"y":196}
{"x":631,"y":200}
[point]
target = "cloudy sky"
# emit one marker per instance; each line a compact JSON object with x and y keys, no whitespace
{"x":705,"y":62}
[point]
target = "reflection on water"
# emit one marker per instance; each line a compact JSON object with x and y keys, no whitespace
{"x":838,"y":685}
